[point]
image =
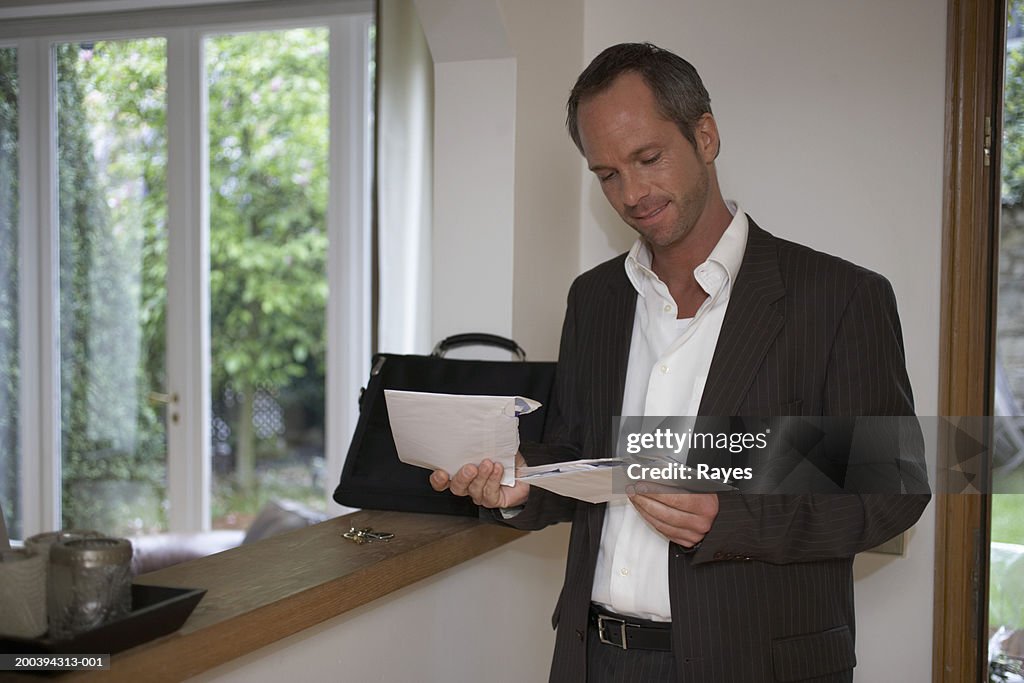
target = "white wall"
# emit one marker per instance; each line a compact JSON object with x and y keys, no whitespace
{"x":506,"y":217}
{"x":831,"y":116}
{"x":433,"y":630}
{"x":549,"y":54}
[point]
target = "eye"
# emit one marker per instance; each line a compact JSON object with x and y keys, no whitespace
{"x":605,"y":177}
{"x":651,"y":160}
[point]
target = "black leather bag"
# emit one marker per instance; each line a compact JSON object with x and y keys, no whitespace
{"x":374,"y":477}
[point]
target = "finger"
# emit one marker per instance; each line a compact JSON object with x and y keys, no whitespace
{"x":476,"y":487}
{"x":671,"y":516}
{"x":693,"y":503}
{"x":682,"y":536}
{"x":491,"y":494}
{"x":439,"y":480}
{"x":651,"y":487}
{"x":463,"y":478}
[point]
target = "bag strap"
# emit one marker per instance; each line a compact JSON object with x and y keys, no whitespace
{"x":477,"y":338}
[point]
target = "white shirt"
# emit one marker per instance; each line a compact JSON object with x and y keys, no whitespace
{"x":669,"y":360}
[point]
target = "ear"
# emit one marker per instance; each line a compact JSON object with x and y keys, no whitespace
{"x":705,"y":134}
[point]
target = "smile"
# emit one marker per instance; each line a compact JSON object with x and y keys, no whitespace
{"x":651,"y":214}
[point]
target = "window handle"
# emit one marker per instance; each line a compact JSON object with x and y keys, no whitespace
{"x":157,"y":397}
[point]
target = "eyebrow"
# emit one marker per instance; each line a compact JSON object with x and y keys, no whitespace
{"x":639,"y":152}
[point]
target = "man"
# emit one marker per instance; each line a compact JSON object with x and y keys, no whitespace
{"x":706,"y":315}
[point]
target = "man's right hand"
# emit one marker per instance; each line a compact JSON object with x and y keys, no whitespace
{"x":482,"y":483}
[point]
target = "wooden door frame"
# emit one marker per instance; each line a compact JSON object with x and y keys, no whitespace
{"x":967,"y":340}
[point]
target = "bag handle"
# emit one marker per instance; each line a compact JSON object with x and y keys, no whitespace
{"x":477,"y":338}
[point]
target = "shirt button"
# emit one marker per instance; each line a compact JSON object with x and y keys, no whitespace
{"x":664,"y":369}
{"x":668,"y":308}
{"x":624,"y":571}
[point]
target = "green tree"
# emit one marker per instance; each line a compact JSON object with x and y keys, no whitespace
{"x":111,"y":179}
{"x":1013,"y":117}
{"x":9,"y":369}
{"x":268,"y":199}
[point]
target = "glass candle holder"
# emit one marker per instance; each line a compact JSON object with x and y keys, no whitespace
{"x":40,"y":543}
{"x":89,"y":584}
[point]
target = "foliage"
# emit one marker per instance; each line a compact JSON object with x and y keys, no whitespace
{"x":1013,"y":117}
{"x":9,"y":369}
{"x":268,"y":202}
{"x":111,"y":150}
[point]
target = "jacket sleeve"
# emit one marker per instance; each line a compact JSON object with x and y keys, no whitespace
{"x":866,"y":376}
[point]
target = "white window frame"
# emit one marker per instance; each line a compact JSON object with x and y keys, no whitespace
{"x":348,"y":314}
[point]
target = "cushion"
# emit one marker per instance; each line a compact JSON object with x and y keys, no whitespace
{"x":280,"y":516}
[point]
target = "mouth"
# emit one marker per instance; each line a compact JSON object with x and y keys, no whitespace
{"x":649,"y":216}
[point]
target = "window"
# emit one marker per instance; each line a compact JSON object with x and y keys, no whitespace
{"x":201,"y":244}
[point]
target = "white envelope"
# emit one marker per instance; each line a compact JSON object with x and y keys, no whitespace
{"x":591,"y":480}
{"x":604,"y":480}
{"x":447,"y":431}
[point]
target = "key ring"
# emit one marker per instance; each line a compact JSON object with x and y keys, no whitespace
{"x":367,"y":535}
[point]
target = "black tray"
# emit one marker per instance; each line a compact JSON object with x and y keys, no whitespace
{"x":156,"y":611}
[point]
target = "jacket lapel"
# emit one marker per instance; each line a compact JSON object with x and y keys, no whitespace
{"x":751,"y":323}
{"x":617,"y":324}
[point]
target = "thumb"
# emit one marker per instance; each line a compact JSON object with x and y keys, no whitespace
{"x":439,"y":480}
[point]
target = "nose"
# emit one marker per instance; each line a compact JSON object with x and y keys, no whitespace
{"x":634,"y":188}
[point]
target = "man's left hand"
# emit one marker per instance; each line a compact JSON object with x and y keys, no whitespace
{"x":682,"y":518}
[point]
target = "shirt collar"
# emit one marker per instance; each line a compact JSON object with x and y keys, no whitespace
{"x":727,"y":254}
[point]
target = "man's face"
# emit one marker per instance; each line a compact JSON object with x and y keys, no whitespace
{"x":649,"y":172}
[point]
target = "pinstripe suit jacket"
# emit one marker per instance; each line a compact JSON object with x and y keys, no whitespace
{"x":768,"y":596}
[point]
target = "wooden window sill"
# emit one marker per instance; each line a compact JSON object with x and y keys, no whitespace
{"x":261,"y":593}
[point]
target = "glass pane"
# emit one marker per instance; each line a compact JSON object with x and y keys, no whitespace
{"x":268,"y":113}
{"x":111,"y":147}
{"x":10,"y":461}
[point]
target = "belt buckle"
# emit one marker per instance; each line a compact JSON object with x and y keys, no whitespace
{"x":601,"y":626}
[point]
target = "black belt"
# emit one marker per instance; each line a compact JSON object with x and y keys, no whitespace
{"x":628,"y":633}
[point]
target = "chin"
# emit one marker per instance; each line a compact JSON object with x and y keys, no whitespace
{"x":663,"y":238}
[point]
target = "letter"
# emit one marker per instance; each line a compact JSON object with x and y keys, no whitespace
{"x":629,"y":471}
{"x":664,"y":439}
{"x":632,"y":441}
{"x":703,"y":440}
{"x":679,"y":443}
{"x":736,"y":443}
{"x":722,"y":442}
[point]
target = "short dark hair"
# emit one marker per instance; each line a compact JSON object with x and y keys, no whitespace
{"x":678,"y":90}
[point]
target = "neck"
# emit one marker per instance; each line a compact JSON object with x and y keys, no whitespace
{"x":675,"y":263}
